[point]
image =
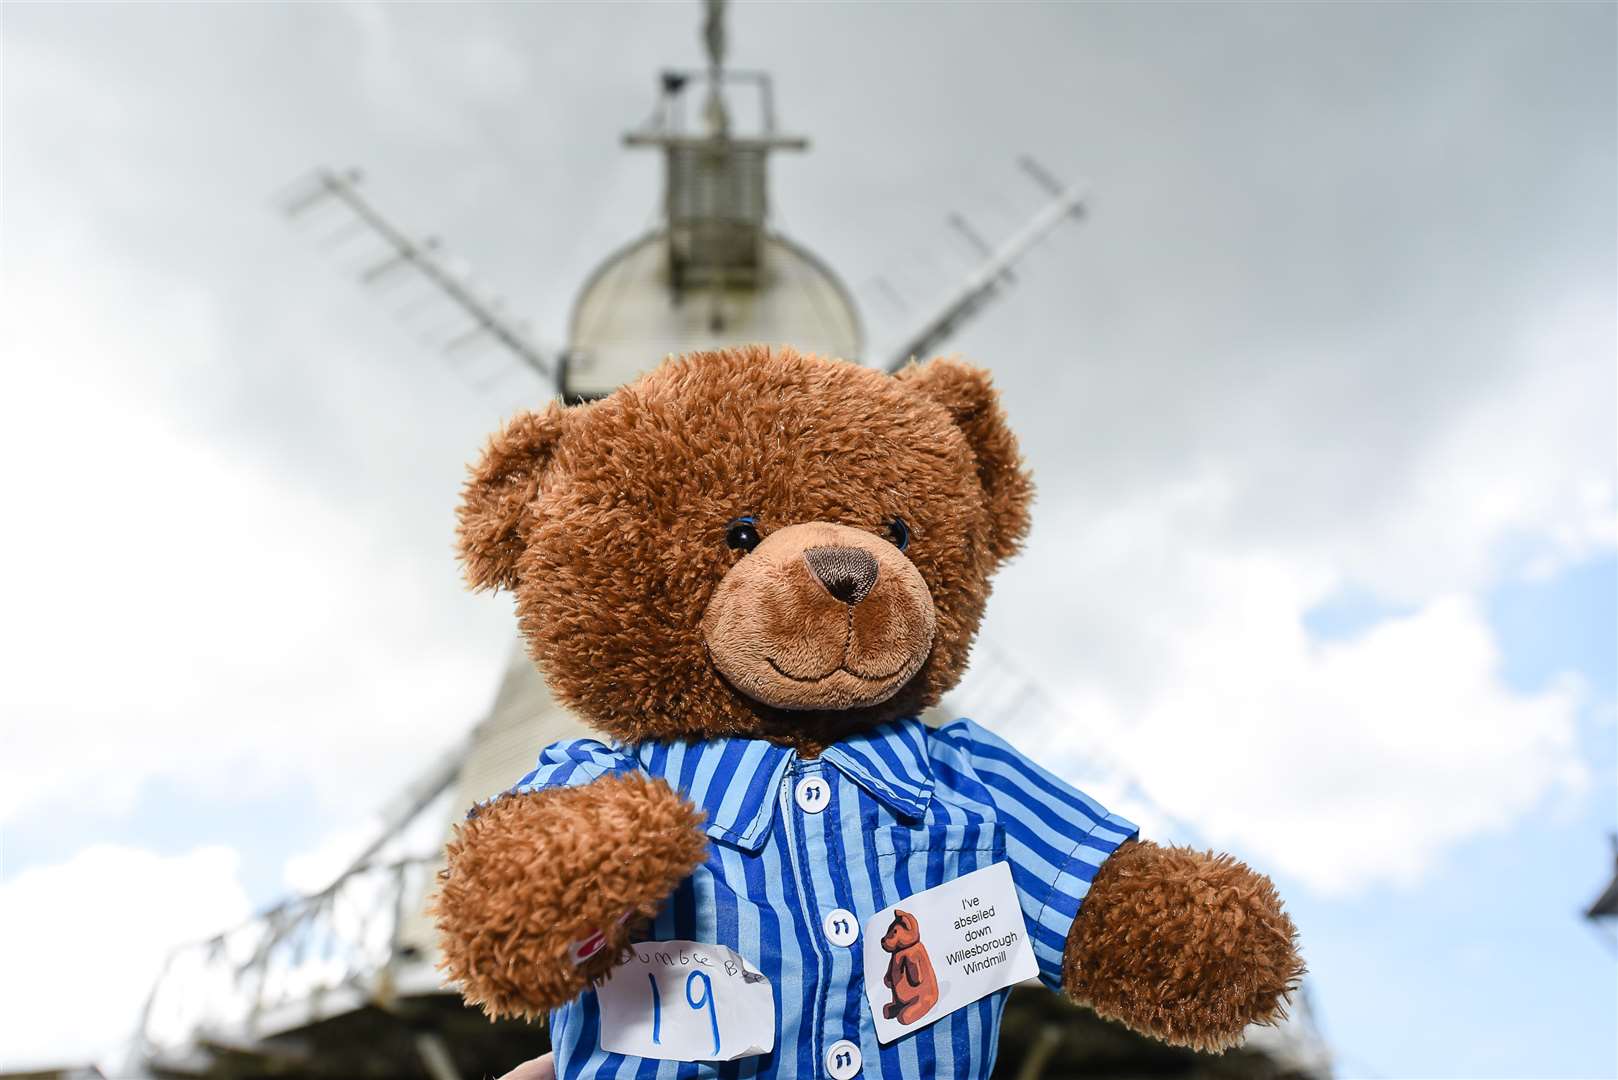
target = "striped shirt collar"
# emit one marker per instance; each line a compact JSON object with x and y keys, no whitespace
{"x":735,"y":781}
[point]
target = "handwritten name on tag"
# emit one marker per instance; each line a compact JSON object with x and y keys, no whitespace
{"x":942,"y":949}
{"x":686,"y":1001}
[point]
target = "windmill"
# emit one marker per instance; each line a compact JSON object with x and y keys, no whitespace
{"x":343,"y":982}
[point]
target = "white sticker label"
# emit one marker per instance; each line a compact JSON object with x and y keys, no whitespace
{"x":942,"y":949}
{"x":686,"y":1001}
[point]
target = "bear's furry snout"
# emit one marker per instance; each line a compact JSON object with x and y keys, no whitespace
{"x":820,"y":616}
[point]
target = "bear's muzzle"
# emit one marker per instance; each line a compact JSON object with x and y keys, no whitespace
{"x":820,"y":616}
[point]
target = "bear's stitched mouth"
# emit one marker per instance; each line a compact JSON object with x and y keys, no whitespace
{"x":842,"y":665}
{"x":779,"y":670}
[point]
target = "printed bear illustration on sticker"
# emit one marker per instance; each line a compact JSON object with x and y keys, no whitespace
{"x":910,"y":971}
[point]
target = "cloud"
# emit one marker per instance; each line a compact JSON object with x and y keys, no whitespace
{"x":1212,"y":485}
{"x":192,"y":615}
{"x":83,"y":941}
{"x":1344,"y":763}
{"x":1519,"y":478}
{"x":1355,"y":763}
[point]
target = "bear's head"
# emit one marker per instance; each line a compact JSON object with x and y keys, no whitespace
{"x":903,"y":932}
{"x":751,"y":542}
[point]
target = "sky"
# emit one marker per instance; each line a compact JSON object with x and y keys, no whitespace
{"x":1320,"y":401}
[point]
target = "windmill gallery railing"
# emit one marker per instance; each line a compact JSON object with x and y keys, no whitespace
{"x":302,"y":961}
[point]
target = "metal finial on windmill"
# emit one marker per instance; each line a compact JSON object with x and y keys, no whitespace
{"x":713,"y":38}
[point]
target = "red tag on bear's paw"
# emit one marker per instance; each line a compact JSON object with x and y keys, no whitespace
{"x":580,"y":951}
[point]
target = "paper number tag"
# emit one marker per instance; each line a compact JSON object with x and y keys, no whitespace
{"x":686,"y":1001}
{"x":942,"y":949}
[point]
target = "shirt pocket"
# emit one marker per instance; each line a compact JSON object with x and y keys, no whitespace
{"x":914,"y":859}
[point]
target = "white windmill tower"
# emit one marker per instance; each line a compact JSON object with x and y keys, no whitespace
{"x":343,"y":983}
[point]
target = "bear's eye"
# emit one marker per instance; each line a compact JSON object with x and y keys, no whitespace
{"x":743,"y":534}
{"x":899,"y":533}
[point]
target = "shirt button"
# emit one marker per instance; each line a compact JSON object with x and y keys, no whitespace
{"x":842,"y":1060}
{"x":841,"y":927}
{"x":813,"y":794}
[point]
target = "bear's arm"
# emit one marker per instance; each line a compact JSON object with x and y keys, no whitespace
{"x":1189,"y":947}
{"x":532,"y":874}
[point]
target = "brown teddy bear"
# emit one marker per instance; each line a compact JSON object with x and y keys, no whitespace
{"x":910,"y":971}
{"x":751,"y":570}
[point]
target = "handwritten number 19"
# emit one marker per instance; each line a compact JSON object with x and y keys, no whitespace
{"x":706,"y":1000}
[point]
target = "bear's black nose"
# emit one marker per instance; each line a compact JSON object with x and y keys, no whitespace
{"x":848,"y":573}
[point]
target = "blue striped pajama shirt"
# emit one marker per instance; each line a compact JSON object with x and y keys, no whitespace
{"x":910,"y":808}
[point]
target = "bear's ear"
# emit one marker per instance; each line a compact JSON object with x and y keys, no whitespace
{"x":497,"y":502}
{"x":970,"y":399}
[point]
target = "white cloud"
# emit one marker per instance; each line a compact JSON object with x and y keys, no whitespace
{"x":1185,"y":577}
{"x":188,"y":613}
{"x":227,"y":565}
{"x":1351,"y":763}
{"x":83,"y":941}
{"x":1527,"y":465}
{"x":1345,"y":763}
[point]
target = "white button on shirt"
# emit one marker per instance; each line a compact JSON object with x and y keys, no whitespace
{"x":842,"y":1060}
{"x":841,"y":927}
{"x":813,"y":794}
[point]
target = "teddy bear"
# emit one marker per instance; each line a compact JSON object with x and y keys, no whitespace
{"x":751,"y":571}
{"x":910,"y":971}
